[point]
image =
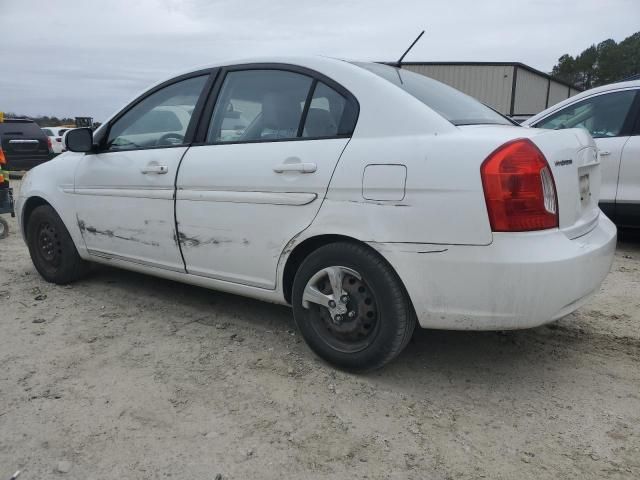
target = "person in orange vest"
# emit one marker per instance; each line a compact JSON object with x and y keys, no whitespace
{"x":6,"y":204}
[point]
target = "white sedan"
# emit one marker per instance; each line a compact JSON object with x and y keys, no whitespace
{"x":56,"y":138}
{"x":365,"y":196}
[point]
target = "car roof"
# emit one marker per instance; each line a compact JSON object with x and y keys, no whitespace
{"x":587,"y":93}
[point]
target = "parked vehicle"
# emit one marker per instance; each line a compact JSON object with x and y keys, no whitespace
{"x":24,"y":144}
{"x":365,"y":196}
{"x":612,"y":115}
{"x":55,"y":135}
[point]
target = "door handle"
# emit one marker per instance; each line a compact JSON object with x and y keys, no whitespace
{"x":157,"y":169}
{"x":604,"y":154}
{"x":296,"y":167}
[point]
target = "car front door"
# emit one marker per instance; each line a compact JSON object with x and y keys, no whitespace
{"x":628,"y":198}
{"x":125,"y":191}
{"x":609,"y":118}
{"x":269,"y":149}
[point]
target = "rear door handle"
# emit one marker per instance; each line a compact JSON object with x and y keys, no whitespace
{"x":604,"y":154}
{"x":296,"y":167}
{"x":157,"y":169}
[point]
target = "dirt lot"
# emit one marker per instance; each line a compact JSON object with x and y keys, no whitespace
{"x":123,"y":376}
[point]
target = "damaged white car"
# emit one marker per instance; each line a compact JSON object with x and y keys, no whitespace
{"x":365,"y":196}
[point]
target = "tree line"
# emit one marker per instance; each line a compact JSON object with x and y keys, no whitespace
{"x":47,"y":121}
{"x":44,"y":120}
{"x":601,"y":64}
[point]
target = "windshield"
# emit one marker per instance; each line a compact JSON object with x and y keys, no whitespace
{"x":455,"y":106}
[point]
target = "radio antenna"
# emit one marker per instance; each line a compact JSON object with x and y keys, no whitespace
{"x":399,"y":63}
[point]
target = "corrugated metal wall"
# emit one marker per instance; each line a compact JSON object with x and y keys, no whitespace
{"x":557,"y":92}
{"x":531,"y":93}
{"x":491,"y":84}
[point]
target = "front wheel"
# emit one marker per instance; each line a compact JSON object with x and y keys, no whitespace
{"x":4,"y":228}
{"x":52,"y":250}
{"x":351,"y":307}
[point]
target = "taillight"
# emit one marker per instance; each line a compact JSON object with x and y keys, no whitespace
{"x":3,"y":159}
{"x":49,"y":144}
{"x":519,"y":188}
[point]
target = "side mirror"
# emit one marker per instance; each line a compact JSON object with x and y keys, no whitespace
{"x":79,"y":140}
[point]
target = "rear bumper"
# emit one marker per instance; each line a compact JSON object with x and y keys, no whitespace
{"x":520,"y":280}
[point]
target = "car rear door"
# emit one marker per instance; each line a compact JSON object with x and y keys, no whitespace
{"x":270,"y":144}
{"x":24,"y":144}
{"x":125,"y":191}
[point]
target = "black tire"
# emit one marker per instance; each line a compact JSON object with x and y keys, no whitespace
{"x":52,"y":250}
{"x":4,"y":228}
{"x":354,"y":344}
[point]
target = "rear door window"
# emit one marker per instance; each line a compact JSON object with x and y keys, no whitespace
{"x":330,"y":114}
{"x":259,"y":105}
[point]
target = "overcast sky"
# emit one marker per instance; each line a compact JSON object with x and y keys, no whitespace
{"x":87,"y":58}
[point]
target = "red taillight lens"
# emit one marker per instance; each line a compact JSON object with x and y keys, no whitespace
{"x":3,"y":159}
{"x":49,"y":144}
{"x":519,"y":188}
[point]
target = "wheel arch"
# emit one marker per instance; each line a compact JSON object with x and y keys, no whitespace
{"x":311,"y":244}
{"x":29,"y":206}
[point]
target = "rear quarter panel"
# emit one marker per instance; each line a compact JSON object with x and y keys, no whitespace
{"x":443,"y":201}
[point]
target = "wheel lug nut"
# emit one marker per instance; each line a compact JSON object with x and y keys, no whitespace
{"x":344,"y":298}
{"x":338,"y":318}
{"x":332,"y":304}
{"x":351,"y":314}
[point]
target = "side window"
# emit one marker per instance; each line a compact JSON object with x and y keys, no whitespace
{"x":161,"y":119}
{"x":256,"y":105}
{"x":603,"y":115}
{"x":329,"y":115}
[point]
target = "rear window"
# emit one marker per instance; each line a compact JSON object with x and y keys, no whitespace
{"x":455,"y":106}
{"x":27,"y":129}
{"x":48,"y":132}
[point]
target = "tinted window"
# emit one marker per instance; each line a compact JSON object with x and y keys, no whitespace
{"x":329,"y":114}
{"x":26,"y":129}
{"x":258,"y":105}
{"x":602,"y":115}
{"x":48,"y":132}
{"x":455,"y":106}
{"x":161,"y":119}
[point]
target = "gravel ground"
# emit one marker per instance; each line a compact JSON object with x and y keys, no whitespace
{"x":123,"y":376}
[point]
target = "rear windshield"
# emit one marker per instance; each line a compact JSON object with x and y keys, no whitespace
{"x":455,"y":106}
{"x":29,"y":129}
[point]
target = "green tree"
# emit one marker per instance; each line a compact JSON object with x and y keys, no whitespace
{"x":600,"y":64}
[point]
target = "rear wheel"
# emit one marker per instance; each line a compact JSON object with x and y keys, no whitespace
{"x":52,"y":250}
{"x":351,"y":307}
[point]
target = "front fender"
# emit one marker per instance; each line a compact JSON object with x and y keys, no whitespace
{"x":53,"y":183}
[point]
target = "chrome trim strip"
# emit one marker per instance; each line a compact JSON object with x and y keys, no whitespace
{"x":134,"y":192}
{"x":113,"y":256}
{"x":271,"y":198}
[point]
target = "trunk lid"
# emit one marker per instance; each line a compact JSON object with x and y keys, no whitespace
{"x":575,"y":164}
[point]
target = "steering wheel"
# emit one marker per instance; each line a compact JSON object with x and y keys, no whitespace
{"x":170,"y":139}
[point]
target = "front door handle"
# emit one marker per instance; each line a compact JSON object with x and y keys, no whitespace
{"x":295,"y":167}
{"x":157,"y":169}
{"x":605,"y":153}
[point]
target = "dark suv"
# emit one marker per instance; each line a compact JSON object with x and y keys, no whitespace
{"x":24,"y":144}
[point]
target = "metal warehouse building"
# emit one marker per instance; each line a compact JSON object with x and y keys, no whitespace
{"x":513,"y":89}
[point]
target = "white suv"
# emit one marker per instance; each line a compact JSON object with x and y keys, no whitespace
{"x":612,"y":115}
